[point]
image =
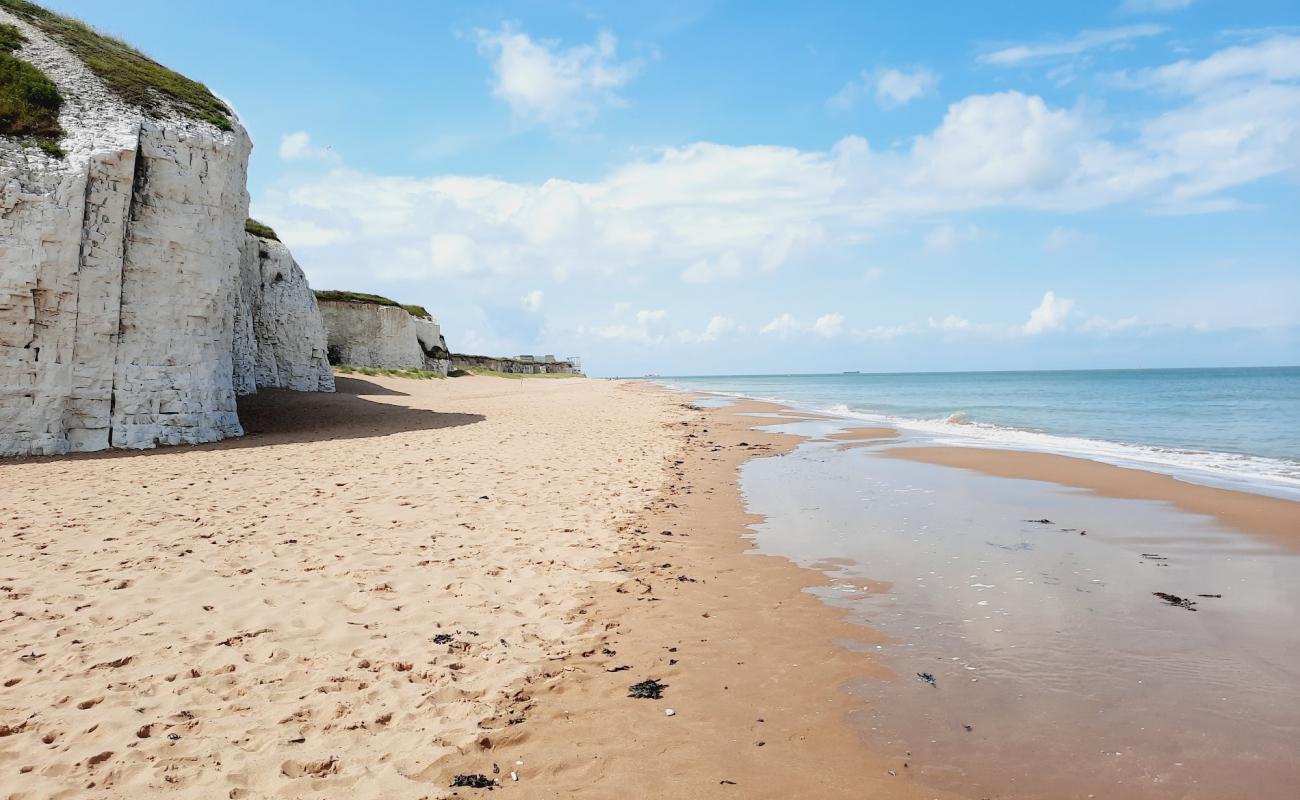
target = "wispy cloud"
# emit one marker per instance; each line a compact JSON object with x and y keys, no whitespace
{"x":298,"y":146}
{"x":827,"y":325}
{"x":544,"y":82}
{"x":890,"y":87}
{"x":1109,"y":38}
{"x":717,"y":327}
{"x":649,"y":328}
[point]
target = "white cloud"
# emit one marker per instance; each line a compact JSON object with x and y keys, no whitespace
{"x":828,"y":325}
{"x":308,"y":234}
{"x":708,"y":212}
{"x":895,"y":87}
{"x":1153,"y":6}
{"x":298,"y":147}
{"x":543,"y":82}
{"x":717,"y":327}
{"x":533,"y":300}
{"x":891,"y":88}
{"x":1111,"y":38}
{"x":782,"y":326}
{"x":1049,"y":315}
{"x":647,"y":330}
{"x":952,"y":322}
{"x":1272,"y":60}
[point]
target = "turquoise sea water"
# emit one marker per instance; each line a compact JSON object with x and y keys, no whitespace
{"x":1238,"y":427}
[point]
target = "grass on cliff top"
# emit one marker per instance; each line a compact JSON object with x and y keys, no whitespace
{"x":130,"y":74}
{"x":415,"y":374}
{"x":373,"y":299}
{"x":491,"y":373}
{"x":29,"y":101}
{"x":260,"y":229}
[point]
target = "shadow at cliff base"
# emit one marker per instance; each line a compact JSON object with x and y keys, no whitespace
{"x":344,"y":385}
{"x":279,"y":416}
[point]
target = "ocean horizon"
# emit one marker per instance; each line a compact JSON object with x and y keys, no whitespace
{"x":1237,"y":427}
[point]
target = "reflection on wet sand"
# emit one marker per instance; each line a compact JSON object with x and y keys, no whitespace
{"x":1035,"y":656}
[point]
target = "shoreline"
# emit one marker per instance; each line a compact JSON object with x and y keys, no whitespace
{"x":1274,"y":518}
{"x":1064,"y":445}
{"x":756,"y":666}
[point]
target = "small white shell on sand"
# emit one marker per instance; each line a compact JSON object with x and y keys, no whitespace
{"x":668,"y":712}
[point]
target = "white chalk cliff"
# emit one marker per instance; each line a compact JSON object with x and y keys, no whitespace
{"x":120,"y":277}
{"x":279,"y":335}
{"x":372,"y":335}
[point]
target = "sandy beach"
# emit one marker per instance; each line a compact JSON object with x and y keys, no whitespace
{"x":341,"y":601}
{"x":379,"y":590}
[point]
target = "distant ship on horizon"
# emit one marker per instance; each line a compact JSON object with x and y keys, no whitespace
{"x":852,"y":372}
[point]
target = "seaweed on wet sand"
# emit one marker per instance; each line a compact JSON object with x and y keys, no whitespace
{"x":1175,"y":600}
{"x":928,"y":677}
{"x":647,"y":690}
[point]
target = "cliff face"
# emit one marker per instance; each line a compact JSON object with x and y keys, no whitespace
{"x":279,"y":336}
{"x":119,"y":272}
{"x":367,"y":334}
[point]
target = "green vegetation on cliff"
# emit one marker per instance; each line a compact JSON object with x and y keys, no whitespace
{"x":130,"y":74}
{"x":372,"y":299}
{"x":416,"y":374}
{"x":514,"y":376}
{"x":29,"y":101}
{"x":260,"y":229}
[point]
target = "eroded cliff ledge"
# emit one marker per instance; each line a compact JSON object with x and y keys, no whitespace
{"x":120,"y":259}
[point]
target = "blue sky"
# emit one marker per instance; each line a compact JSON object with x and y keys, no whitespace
{"x":696,"y":187}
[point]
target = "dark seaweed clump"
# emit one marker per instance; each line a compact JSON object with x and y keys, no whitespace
{"x":1175,"y":600}
{"x":647,"y":690}
{"x":475,"y":781}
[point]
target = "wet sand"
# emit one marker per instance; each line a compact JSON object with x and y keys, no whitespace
{"x":1051,"y":667}
{"x":1273,"y":517}
{"x":757,"y":668}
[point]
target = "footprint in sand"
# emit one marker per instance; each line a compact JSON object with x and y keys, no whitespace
{"x":297,"y":769}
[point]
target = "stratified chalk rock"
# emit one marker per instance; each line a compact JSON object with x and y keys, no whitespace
{"x":279,"y":336}
{"x":371,"y":335}
{"x":120,"y":273}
